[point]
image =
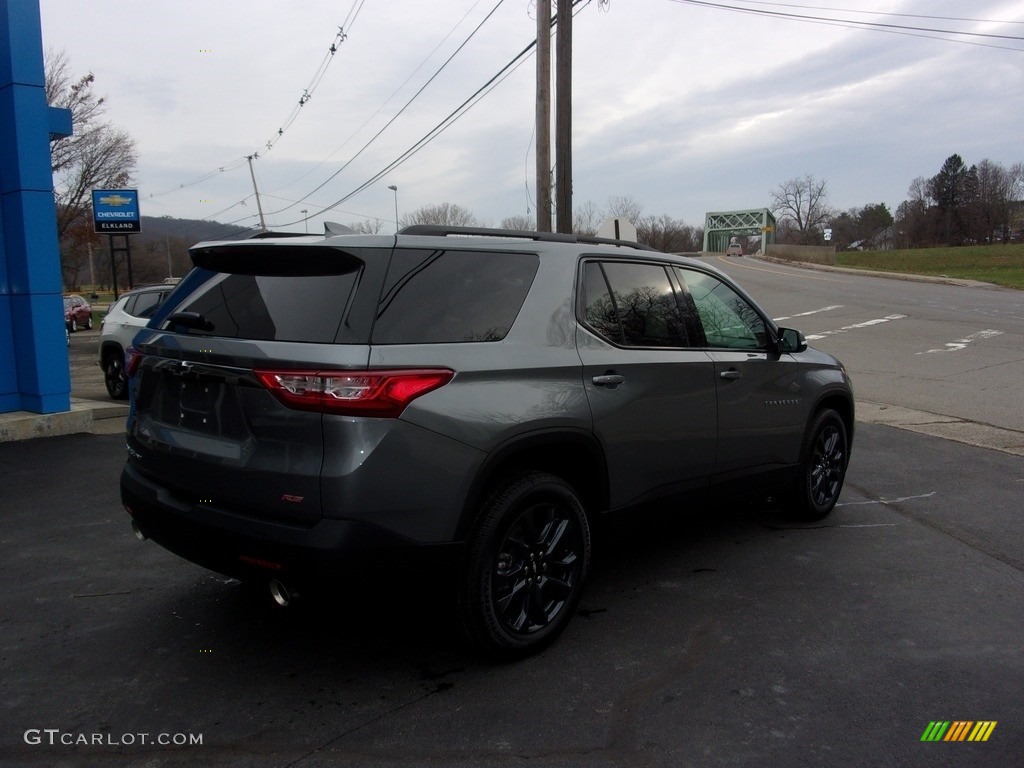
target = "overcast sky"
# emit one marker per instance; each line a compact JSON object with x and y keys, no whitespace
{"x":685,"y":109}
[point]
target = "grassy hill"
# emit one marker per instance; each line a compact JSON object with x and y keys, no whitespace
{"x":998,"y":264}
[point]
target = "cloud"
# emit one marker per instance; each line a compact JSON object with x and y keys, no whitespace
{"x":685,"y":109}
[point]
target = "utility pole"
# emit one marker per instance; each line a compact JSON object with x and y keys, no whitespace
{"x":259,"y":207}
{"x":543,"y":115}
{"x":563,"y":118}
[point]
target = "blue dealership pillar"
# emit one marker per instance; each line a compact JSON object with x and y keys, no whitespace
{"x":34,"y":372}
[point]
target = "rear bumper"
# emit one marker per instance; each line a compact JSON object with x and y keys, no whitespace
{"x":245,"y":547}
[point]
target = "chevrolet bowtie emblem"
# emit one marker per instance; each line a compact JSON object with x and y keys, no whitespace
{"x":115,"y":200}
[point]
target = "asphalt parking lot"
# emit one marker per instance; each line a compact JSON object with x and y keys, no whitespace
{"x":716,"y":637}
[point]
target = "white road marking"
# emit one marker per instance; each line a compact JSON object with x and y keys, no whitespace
{"x":844,"y":329}
{"x":955,"y":346}
{"x":812,"y":312}
{"x":886,"y":502}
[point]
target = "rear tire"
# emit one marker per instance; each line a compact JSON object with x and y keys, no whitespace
{"x":114,"y":376}
{"x":823,"y":461}
{"x":527,"y":561}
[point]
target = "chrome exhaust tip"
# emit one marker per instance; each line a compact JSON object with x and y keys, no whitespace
{"x":280,"y":593}
{"x":138,"y":532}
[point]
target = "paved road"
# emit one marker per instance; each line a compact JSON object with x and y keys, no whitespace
{"x":943,"y":349}
{"x":732,"y":638}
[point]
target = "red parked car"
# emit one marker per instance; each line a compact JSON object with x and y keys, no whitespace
{"x":77,"y":313}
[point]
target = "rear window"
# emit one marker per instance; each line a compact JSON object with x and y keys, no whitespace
{"x":443,"y":296}
{"x":270,"y":308}
{"x":269,"y":293}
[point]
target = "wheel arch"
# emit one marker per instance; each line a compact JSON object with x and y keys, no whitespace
{"x":108,"y":348}
{"x":573,"y":455}
{"x":840,"y":402}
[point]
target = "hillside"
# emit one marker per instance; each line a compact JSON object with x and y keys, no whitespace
{"x":189,"y":230}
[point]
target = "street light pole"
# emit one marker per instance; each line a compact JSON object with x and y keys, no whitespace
{"x":305,"y":220}
{"x":394,"y":189}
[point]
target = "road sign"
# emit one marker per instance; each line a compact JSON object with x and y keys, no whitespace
{"x":617,"y":229}
{"x":116,"y":211}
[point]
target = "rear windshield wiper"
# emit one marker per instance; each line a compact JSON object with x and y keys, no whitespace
{"x":190,"y":320}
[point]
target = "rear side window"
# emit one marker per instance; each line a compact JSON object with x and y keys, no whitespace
{"x":635,"y":305}
{"x":146,"y":303}
{"x":445,"y":296}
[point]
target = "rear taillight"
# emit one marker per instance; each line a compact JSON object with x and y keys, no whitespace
{"x":132,"y":358}
{"x":353,"y":393}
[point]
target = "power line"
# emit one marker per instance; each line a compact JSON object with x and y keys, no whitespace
{"x":307,"y":94}
{"x":399,"y":112}
{"x":452,"y":116}
{"x":878,"y":13}
{"x":912,"y":31}
{"x":387,"y":100}
{"x":443,"y":125}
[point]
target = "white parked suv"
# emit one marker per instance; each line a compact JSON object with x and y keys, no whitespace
{"x":123,"y":320}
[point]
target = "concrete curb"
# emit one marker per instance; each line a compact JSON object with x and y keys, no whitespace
{"x":947,"y":427}
{"x":92,"y":416}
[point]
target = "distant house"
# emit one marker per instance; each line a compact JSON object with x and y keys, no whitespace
{"x":882,"y":240}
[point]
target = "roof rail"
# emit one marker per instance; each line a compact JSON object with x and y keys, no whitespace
{"x":441,"y":230}
{"x":266,"y":233}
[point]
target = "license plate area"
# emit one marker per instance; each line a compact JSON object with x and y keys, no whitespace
{"x":197,"y":405}
{"x":201,"y":404}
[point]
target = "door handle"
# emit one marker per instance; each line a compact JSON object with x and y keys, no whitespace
{"x":610,"y":380}
{"x":731,"y":375}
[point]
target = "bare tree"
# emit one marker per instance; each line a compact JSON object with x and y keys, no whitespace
{"x":368,"y":227}
{"x":96,"y":156}
{"x":518,"y":223}
{"x":915,"y":216}
{"x":624,"y":207}
{"x":586,"y":219}
{"x":998,"y":190}
{"x":667,"y":234}
{"x":801,"y":206}
{"x":445,"y":214}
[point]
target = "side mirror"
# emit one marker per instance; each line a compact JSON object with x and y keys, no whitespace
{"x":791,"y":342}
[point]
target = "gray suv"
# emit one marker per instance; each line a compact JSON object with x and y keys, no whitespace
{"x":300,"y":404}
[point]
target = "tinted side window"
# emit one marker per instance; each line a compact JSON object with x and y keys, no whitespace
{"x":729,"y":320}
{"x":145,"y":303}
{"x":445,"y":296}
{"x":641,"y":309}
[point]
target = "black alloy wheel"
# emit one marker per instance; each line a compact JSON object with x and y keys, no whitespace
{"x":528,"y":560}
{"x":825,"y":457}
{"x":114,"y":377}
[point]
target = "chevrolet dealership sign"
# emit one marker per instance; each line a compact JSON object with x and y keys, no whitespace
{"x":116,"y":211}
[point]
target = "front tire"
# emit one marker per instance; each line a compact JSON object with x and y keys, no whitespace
{"x":528,"y":558}
{"x":823,"y":462}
